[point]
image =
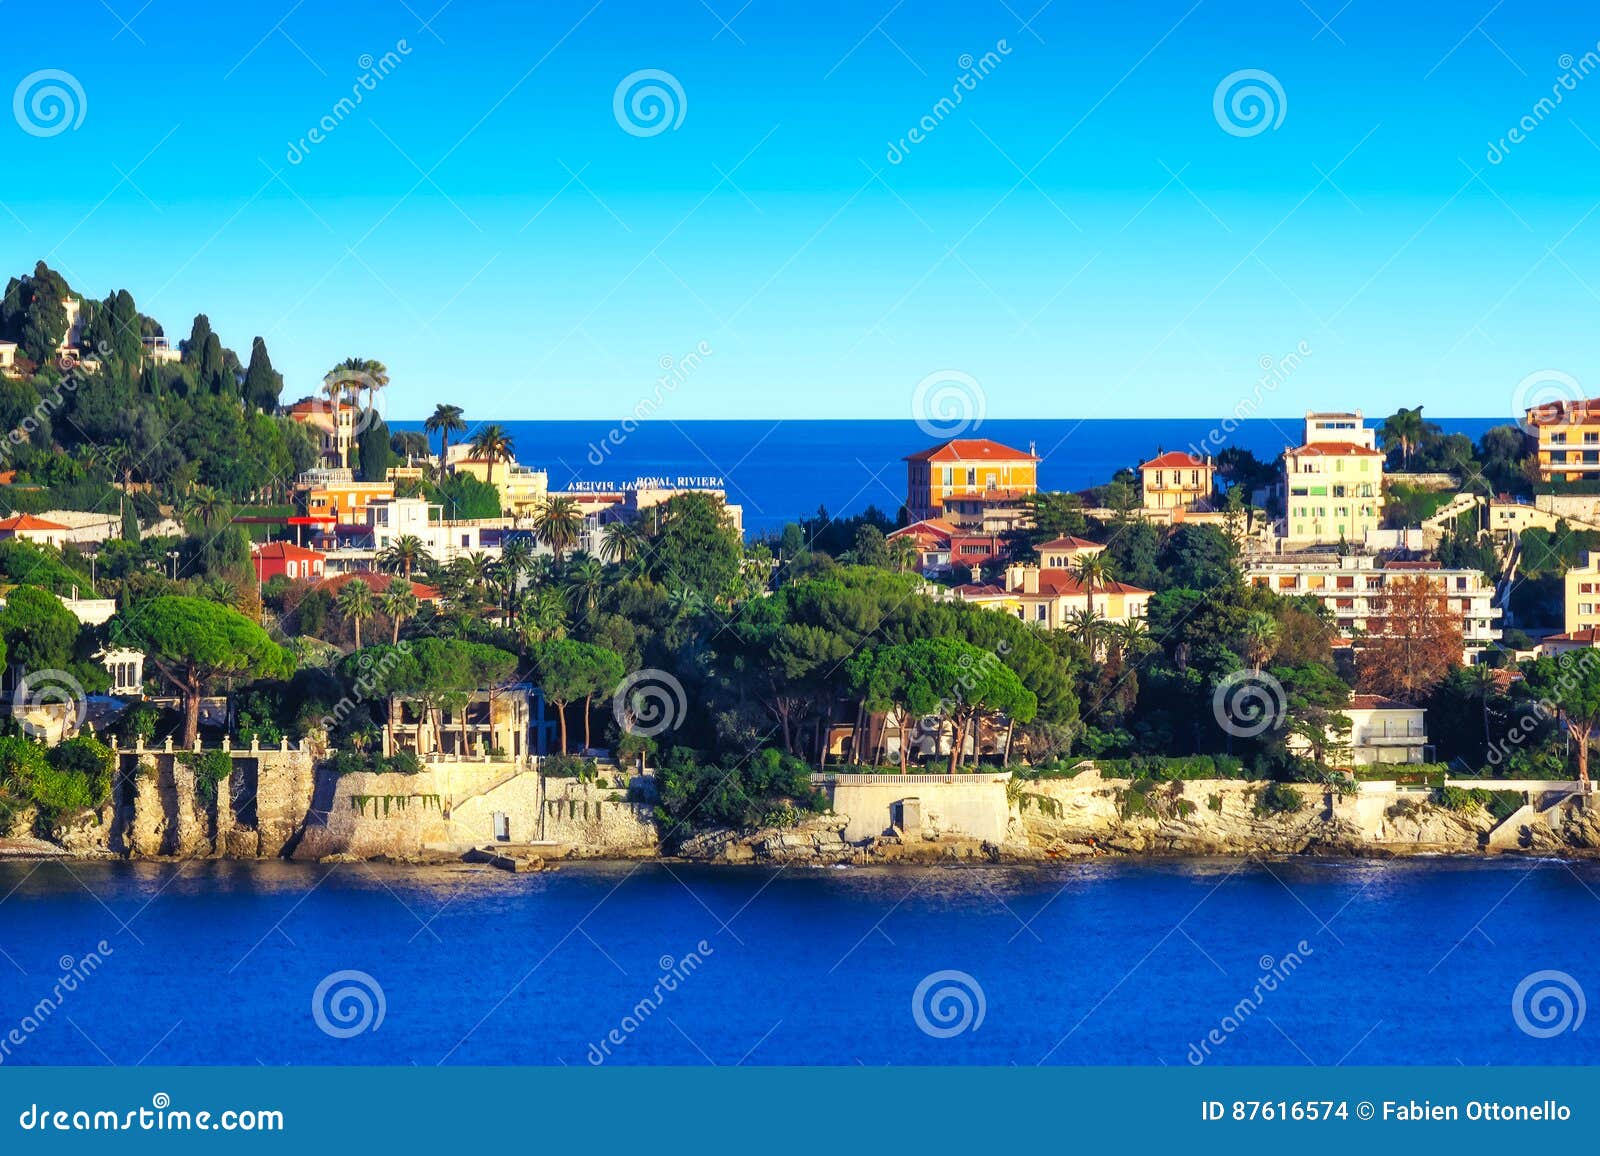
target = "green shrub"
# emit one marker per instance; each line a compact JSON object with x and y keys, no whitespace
{"x":211,"y":768}
{"x":1279,"y":799}
{"x":568,"y":767}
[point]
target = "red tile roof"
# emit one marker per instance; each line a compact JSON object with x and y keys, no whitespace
{"x":1062,"y":582}
{"x":1589,"y":636}
{"x":288,"y":552}
{"x":971,"y":450}
{"x":1378,"y":702}
{"x":1176,"y":459}
{"x":28,"y":522}
{"x":1070,"y":543}
{"x":1564,"y":412}
{"x":379,"y":583}
{"x":1336,"y":450}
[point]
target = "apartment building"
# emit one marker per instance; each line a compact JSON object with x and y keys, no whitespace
{"x":1333,"y":483}
{"x":1352,"y":588}
{"x":984,"y":471}
{"x":1566,"y":437}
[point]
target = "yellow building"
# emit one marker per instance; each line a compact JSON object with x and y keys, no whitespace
{"x":1333,"y":484}
{"x":1568,"y":437}
{"x":335,"y":430}
{"x":967,"y":468}
{"x":1177,"y":481}
{"x":522,"y":489}
{"x":344,"y":501}
{"x":1583,"y":594}
{"x":1049,"y":599}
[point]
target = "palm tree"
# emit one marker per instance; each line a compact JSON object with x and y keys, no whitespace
{"x":355,"y":605}
{"x":375,"y":376}
{"x":206,"y":506}
{"x":516,"y":557}
{"x":492,"y":444}
{"x":444,"y":421}
{"x":1260,"y":638}
{"x":398,"y":603}
{"x":620,"y":542}
{"x":903,"y":553}
{"x":1404,"y":429}
{"x":405,"y":554}
{"x":1091,"y":570}
{"x":558,"y":521}
{"x":584,"y":578}
{"x":542,"y":615}
{"x":1130,"y":637}
{"x":1087,"y":623}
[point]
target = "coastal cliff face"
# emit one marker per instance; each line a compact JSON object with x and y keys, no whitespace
{"x":278,"y":804}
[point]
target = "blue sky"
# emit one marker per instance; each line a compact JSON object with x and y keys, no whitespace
{"x":1079,"y":236}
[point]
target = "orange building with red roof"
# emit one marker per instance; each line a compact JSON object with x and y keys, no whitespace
{"x":968,"y":468}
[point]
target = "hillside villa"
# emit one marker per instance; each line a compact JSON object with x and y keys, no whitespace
{"x":974,"y":483}
{"x":1333,"y":483}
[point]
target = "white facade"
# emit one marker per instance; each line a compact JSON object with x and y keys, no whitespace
{"x":1348,"y":585}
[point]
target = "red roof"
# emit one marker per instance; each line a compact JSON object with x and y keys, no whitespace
{"x":1564,"y":412}
{"x":1336,"y":450}
{"x":379,"y":583}
{"x":28,"y":522}
{"x":1176,"y":460}
{"x":927,"y":528}
{"x":288,"y":552}
{"x":1378,"y":702}
{"x":1070,"y":543}
{"x":971,"y":450}
{"x":1062,"y":582}
{"x":1589,"y":636}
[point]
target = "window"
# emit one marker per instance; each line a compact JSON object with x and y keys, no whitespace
{"x":1040,"y":611}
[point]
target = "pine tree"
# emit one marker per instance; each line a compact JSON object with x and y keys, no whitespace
{"x":262,"y":384}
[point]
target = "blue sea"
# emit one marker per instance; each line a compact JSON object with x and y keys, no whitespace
{"x":1135,"y":963}
{"x":783,"y":470}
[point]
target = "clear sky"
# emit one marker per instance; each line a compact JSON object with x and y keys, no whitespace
{"x":1080,"y":235}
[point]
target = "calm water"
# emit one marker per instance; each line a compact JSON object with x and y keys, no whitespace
{"x":781,"y":470}
{"x":1102,"y":963}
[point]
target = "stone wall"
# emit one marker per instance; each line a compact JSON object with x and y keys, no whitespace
{"x":597,"y":821}
{"x":156,"y":810}
{"x":971,"y":806}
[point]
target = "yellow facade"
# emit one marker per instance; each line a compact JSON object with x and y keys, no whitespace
{"x":1334,"y":492}
{"x":1583,"y":594}
{"x":1568,"y":436}
{"x":1176,"y":481}
{"x":522,"y":490}
{"x":345,"y":501}
{"x":967,"y":468}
